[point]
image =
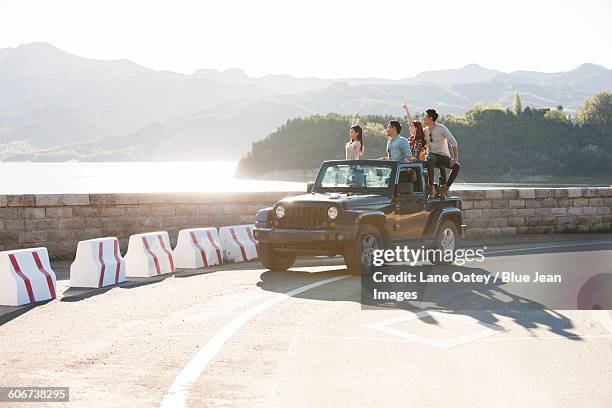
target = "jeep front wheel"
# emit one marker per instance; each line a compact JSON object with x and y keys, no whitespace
{"x":445,"y":243}
{"x":274,"y":260}
{"x":358,"y":253}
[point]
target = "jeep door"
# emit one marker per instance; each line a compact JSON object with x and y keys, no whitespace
{"x":410,"y":210}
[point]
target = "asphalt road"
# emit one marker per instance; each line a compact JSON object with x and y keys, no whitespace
{"x":241,"y":336}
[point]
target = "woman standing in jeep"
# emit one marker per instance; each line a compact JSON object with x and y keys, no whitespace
{"x":354,"y":147}
{"x":418,"y":144}
{"x":417,"y":141}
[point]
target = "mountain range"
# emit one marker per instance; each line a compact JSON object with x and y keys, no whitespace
{"x":55,"y":106}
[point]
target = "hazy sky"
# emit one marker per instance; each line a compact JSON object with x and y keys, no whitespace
{"x":325,"y":38}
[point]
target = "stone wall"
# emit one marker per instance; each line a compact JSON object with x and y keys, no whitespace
{"x":537,"y":211}
{"x":58,"y":222}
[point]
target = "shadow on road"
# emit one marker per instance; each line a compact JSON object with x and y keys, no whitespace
{"x":78,"y":294}
{"x":243,"y":266}
{"x":8,"y":313}
{"x":483,"y":302}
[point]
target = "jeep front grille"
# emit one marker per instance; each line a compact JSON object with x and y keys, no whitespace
{"x":305,"y":218}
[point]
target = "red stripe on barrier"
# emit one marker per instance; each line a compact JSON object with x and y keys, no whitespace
{"x":199,"y":247}
{"x":148,"y":249}
{"x":118,"y":259}
{"x":242,"y":251}
{"x":26,"y":280}
{"x":163,"y":245}
{"x":212,"y":242}
{"x":41,"y":268}
{"x":250,"y":234}
{"x":101,"y":258}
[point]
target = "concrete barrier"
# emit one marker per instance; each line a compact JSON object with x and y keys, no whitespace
{"x":238,"y":243}
{"x":197,"y":248}
{"x":149,"y":255}
{"x":98,"y":263}
{"x":26,"y":277}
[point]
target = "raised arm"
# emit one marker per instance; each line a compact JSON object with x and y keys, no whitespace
{"x":355,"y":121}
{"x":408,"y":115}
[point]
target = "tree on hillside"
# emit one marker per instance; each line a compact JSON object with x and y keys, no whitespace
{"x":517,"y":106}
{"x":473,"y":114}
{"x":597,"y":110}
{"x":527,"y":111}
{"x":495,"y":143}
{"x":556,"y":114}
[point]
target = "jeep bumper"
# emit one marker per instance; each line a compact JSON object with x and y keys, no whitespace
{"x":282,"y":235}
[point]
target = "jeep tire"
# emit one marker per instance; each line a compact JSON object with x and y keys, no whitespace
{"x":446,"y":239}
{"x":358,"y":253}
{"x":274,"y":260}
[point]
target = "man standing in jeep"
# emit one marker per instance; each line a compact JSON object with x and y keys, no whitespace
{"x":398,"y":147}
{"x":439,"y":137}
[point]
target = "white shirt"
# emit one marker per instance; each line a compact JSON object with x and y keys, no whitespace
{"x":353,"y":150}
{"x":441,"y":137}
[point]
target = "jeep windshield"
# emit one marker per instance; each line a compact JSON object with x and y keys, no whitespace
{"x":369,"y":177}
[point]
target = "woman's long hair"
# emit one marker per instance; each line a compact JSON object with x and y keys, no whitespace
{"x":420,"y":134}
{"x":359,"y":131}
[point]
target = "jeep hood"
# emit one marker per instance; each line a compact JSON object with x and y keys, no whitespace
{"x":340,"y":199}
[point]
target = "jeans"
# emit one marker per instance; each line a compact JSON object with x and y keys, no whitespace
{"x":441,"y":162}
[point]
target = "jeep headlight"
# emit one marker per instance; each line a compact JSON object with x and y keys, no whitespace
{"x":332,"y":213}
{"x":279,"y":211}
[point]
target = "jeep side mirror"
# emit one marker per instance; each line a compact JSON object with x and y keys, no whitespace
{"x":309,"y":186}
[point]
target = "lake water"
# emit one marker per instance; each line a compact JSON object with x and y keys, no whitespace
{"x":83,"y":178}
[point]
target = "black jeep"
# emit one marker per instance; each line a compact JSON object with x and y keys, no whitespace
{"x":353,"y":208}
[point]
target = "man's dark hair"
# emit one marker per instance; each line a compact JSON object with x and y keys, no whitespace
{"x":396,"y":125}
{"x":432,"y":114}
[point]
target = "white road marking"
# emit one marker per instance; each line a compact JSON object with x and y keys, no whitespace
{"x":179,"y":390}
{"x":486,"y":331}
{"x":548,"y":247}
{"x":401,"y":340}
{"x":603,"y":316}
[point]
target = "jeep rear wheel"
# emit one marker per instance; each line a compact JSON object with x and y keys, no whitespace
{"x":358,"y":253}
{"x":445,"y":243}
{"x":274,"y":260}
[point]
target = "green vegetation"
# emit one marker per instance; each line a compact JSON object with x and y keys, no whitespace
{"x":494,"y":142}
{"x":517,"y":106}
{"x":597,"y":110}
